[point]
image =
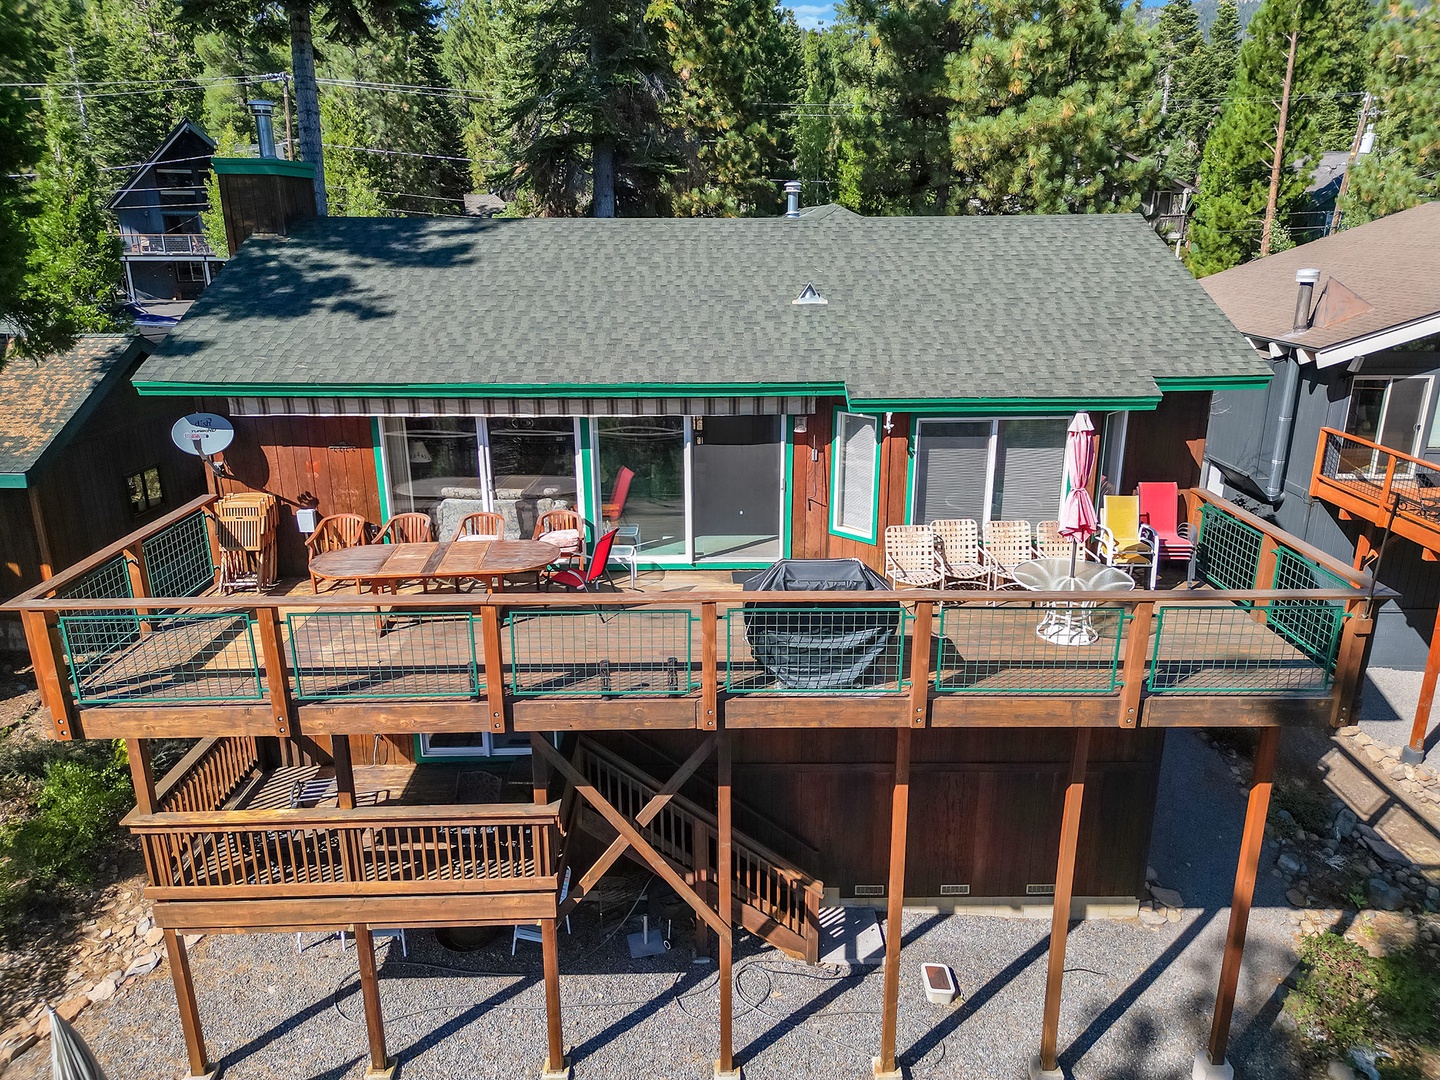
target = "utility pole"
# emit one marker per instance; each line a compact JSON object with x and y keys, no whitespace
{"x":1279,"y":149}
{"x":289,"y":141}
{"x":1350,"y":164}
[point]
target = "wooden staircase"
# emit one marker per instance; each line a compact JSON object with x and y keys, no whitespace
{"x":773,"y":900}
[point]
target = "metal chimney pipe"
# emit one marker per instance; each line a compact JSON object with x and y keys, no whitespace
{"x":264,"y":126}
{"x":1306,"y":279}
{"x":792,"y":198}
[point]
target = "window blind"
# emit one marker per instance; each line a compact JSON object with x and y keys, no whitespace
{"x":857,"y":438}
{"x":951,"y":460}
{"x":1029,"y":469}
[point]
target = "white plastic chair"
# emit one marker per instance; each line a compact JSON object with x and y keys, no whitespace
{"x":530,"y":932}
{"x":396,"y":932}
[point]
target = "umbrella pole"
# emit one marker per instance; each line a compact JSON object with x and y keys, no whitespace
{"x":1074,"y":552}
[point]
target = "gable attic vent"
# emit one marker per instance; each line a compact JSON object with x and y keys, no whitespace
{"x":809,"y":295}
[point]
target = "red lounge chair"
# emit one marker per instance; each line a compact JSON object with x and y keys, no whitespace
{"x":615,"y":505}
{"x":594,"y":570}
{"x":1159,"y":508}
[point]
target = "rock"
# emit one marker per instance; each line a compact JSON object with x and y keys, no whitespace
{"x":1432,"y":893}
{"x":1151,"y":875}
{"x":1295,"y":897}
{"x":1375,"y":753}
{"x":1383,"y":895}
{"x":106,"y":934}
{"x":1362,"y":739}
{"x":1384,"y":849}
{"x":1345,"y":822}
{"x":191,"y":940}
{"x":1166,"y":897}
{"x":104,"y":990}
{"x":14,"y":1050}
{"x":1289,"y":863}
{"x":1390,"y":933}
{"x":142,"y":965}
{"x":1172,"y":914}
{"x":142,"y":927}
{"x":1338,"y":1070}
{"x":1284,"y":817}
{"x":154,"y":936}
{"x":1150,"y":917}
{"x":1349,"y":731}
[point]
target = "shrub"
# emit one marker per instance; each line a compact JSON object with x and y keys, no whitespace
{"x":1335,"y":999}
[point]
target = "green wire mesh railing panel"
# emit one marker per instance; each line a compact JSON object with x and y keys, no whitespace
{"x":1224,"y":649}
{"x":193,"y":658}
{"x":779,"y":649}
{"x":177,"y":558}
{"x":115,"y":628}
{"x":1227,"y":555}
{"x":364,"y":655}
{"x":1312,"y":626}
{"x":1059,"y":649}
{"x":602,"y":652}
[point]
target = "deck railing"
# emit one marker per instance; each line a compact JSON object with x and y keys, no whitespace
{"x":387,"y":850}
{"x":1279,"y":618}
{"x":1379,"y":484}
{"x":206,"y":777}
{"x":167,"y":244}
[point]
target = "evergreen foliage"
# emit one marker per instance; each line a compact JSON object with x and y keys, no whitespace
{"x":17,"y":150}
{"x":1403,"y":170}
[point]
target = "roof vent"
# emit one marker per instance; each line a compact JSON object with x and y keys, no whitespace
{"x":264,"y":126}
{"x":1306,"y":279}
{"x":809,"y":295}
{"x":792,"y":198}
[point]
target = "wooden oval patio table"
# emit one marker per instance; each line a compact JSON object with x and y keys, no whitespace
{"x":490,"y":560}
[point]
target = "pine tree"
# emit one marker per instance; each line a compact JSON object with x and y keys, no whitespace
{"x":18,"y":55}
{"x":234,"y":66}
{"x":1184,"y":60}
{"x":1054,"y":110}
{"x":472,"y":53}
{"x":1403,"y":169}
{"x":817,"y":127}
{"x":729,"y":58}
{"x":354,"y":189}
{"x":1235,"y":171}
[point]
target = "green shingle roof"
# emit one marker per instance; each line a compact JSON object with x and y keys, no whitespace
{"x":42,"y":403}
{"x":958,"y":308}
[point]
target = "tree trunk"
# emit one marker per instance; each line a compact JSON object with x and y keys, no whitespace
{"x":307,"y":96}
{"x":603,"y":199}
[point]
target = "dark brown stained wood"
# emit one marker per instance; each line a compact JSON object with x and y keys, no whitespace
{"x":755,"y":711}
{"x":344,"y":772}
{"x":1168,"y":442}
{"x":895,"y":902}
{"x":289,"y":916}
{"x":554,"y":1039}
{"x":22,"y":562}
{"x":1341,"y":569}
{"x":1064,"y":890}
{"x":178,"y":722}
{"x":42,"y":537}
{"x":1355,"y":633}
{"x":981,"y":711}
{"x":393,"y":717}
{"x":370,"y":996}
{"x":1251,"y":840}
{"x":725,"y":870}
{"x":640,"y":713}
{"x":142,"y":775}
{"x":185,"y":999}
{"x":263,"y":203}
{"x":1233,"y":710}
{"x":329,"y":890}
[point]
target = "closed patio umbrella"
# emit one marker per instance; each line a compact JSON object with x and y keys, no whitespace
{"x":70,"y":1058}
{"x":1077,"y":511}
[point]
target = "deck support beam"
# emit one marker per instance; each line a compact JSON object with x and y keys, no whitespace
{"x":1414,"y":751}
{"x":556,"y":1067}
{"x":725,"y":881}
{"x":344,"y":772}
{"x":1045,"y":1063}
{"x":1211,"y":1063}
{"x":381,"y":1067}
{"x":885,"y":1066}
{"x":200,"y":1066}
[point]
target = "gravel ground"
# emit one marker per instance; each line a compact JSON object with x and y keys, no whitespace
{"x":1137,"y":1000}
{"x":1387,"y":709}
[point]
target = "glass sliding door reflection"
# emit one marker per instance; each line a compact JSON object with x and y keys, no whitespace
{"x":735,"y":497}
{"x":653,"y":449}
{"x":533,"y":462}
{"x":434,"y":468}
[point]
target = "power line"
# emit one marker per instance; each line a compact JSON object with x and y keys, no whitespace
{"x":411,"y":153}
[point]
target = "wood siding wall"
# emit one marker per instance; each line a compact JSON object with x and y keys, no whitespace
{"x":810,"y":536}
{"x":259,"y":203}
{"x":19,"y":561}
{"x":1167,"y":444}
{"x":325,"y":462}
{"x":990,"y":803}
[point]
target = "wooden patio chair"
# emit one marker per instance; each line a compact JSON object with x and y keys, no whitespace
{"x":1124,"y":542}
{"x":958,"y":543}
{"x":1007,"y":545}
{"x":563,"y":528}
{"x":1049,"y":544}
{"x":334,"y":533}
{"x":614,"y":507}
{"x":481,"y":525}
{"x":407,"y":529}
{"x":911,"y":558}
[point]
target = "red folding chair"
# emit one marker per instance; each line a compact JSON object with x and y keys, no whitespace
{"x":1159,"y":508}
{"x":594,"y":570}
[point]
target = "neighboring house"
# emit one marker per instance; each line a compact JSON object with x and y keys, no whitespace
{"x":166,"y":255}
{"x":772,"y":388}
{"x":1168,"y":209}
{"x":1357,"y":352}
{"x":83,"y":460}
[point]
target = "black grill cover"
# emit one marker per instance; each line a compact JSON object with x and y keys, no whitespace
{"x":827,"y":649}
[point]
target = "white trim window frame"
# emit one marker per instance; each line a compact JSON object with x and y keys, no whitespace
{"x":847,"y":439}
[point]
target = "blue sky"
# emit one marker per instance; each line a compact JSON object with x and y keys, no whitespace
{"x":810,"y":16}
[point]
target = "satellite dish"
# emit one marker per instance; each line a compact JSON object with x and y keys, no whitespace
{"x":202,"y":434}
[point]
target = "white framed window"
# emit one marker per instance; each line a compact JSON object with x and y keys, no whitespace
{"x":855,"y":476}
{"x":988,"y":469}
{"x":473,"y":744}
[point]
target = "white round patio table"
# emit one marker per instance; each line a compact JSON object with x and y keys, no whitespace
{"x":1069,"y":624}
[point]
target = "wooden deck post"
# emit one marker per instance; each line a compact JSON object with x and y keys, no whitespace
{"x":344,"y":772}
{"x":200,"y":1067}
{"x":1414,"y":751}
{"x":381,"y":1067}
{"x":885,"y":1066}
{"x":555,"y":1067}
{"x":52,"y":676}
{"x":1211,"y":1063}
{"x":277,"y":675}
{"x":725,"y":881}
{"x":142,"y":774}
{"x":1044,"y":1065}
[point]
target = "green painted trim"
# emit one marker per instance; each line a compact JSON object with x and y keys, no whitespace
{"x":912,"y":450}
{"x":787,"y":478}
{"x":588,"y":482}
{"x":13,"y":480}
{"x":833,"y":529}
{"x":380,"y":485}
{"x":1006,"y":406}
{"x":257,"y":166}
{"x":1223,"y":382}
{"x":483,"y":390}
